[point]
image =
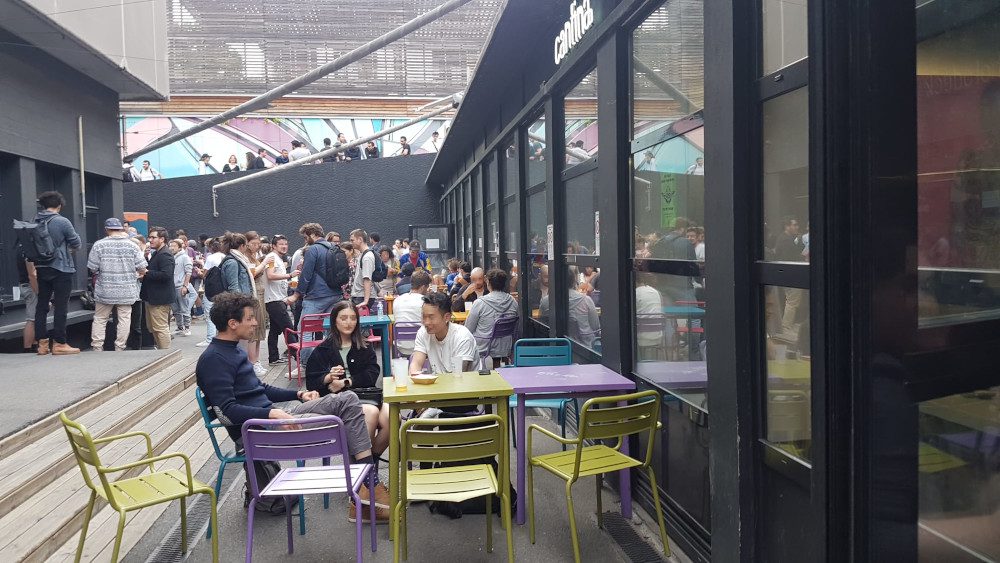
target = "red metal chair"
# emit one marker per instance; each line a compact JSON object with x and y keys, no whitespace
{"x":310,"y":324}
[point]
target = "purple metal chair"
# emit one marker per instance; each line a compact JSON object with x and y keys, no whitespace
{"x":504,"y":327}
{"x":320,"y":437}
{"x":406,"y":332}
{"x":650,"y":333}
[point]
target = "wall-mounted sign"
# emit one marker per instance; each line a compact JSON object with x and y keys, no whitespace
{"x":581,"y":18}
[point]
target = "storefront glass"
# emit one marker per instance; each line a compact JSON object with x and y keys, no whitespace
{"x":510,"y":178}
{"x":581,"y":121}
{"x":784,"y":33}
{"x":788,"y":404}
{"x":785,"y":155}
{"x":536,"y":153}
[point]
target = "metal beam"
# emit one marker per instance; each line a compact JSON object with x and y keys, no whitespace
{"x":662,"y":84}
{"x":262,"y":101}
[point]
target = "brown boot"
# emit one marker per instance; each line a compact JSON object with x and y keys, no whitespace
{"x":63,"y":349}
{"x":43,"y":346}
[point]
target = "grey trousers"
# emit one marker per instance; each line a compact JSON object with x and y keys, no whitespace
{"x":347,"y":407}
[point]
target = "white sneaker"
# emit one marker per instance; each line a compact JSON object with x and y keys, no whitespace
{"x":259,"y":369}
{"x":187,"y":332}
{"x":203,"y":343}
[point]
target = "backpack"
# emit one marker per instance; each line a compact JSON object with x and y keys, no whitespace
{"x":265,"y":471}
{"x":337,"y":271}
{"x":215,"y":281}
{"x":380,"y":271}
{"x":127,"y":175}
{"x":34,"y":240}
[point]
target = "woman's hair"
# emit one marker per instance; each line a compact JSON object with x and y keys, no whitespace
{"x":232,"y":241}
{"x":250,"y":158}
{"x":347,"y":247}
{"x":357,"y":340}
{"x":232,"y":157}
{"x":251,"y":235}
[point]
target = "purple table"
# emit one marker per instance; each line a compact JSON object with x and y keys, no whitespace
{"x":563,"y":381}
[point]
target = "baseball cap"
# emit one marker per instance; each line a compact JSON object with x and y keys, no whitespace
{"x":206,"y":155}
{"x":113,"y":224}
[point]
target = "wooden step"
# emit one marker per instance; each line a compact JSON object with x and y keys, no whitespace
{"x":36,"y":528}
{"x":26,"y":471}
{"x":30,"y":434}
{"x":101,"y":535}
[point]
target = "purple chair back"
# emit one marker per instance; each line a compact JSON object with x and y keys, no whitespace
{"x":405,"y":332}
{"x":504,"y":327}
{"x":265,"y":440}
{"x":649,"y":323}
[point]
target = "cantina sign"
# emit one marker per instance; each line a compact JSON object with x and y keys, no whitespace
{"x":581,"y":18}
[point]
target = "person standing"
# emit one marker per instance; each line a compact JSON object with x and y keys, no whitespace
{"x":283,"y":158}
{"x":353,"y":153}
{"x":299,"y":151}
{"x":184,"y":291}
{"x":27,"y":279}
{"x":148,"y":173}
{"x":55,"y":278}
{"x":435,"y":141}
{"x":260,"y":163}
{"x":205,"y":165}
{"x":212,"y":260}
{"x":233,"y":165}
{"x":361,"y":288}
{"x":118,"y":263}
{"x":316,"y":296}
{"x":258,"y":268}
{"x":404,"y":147}
{"x":371,"y":150}
{"x":276,"y":298}
{"x":158,"y":288}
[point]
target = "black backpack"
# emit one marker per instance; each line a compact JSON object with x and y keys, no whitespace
{"x":337,"y":271}
{"x":266,"y":471}
{"x":34,"y":240}
{"x":215,"y":281}
{"x":380,"y":271}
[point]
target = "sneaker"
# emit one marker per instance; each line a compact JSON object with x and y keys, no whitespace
{"x":381,"y":514}
{"x":259,"y":369}
{"x":203,"y":343}
{"x":187,"y":332}
{"x":382,"y":499}
{"x":275,"y":362}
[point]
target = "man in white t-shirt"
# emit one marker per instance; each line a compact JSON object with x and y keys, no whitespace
{"x":450,"y":347}
{"x":299,"y":151}
{"x":361,"y":287}
{"x":409,"y":307}
{"x":276,"y":298}
{"x":213,"y":260}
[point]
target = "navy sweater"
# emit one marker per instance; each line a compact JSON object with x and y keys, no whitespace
{"x":226,"y":377}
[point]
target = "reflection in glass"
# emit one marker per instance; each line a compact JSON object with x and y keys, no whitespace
{"x":668,"y":63}
{"x":538,"y":290}
{"x":669,"y":199}
{"x":784,"y":34}
{"x":582,"y":313}
{"x":536,"y":153}
{"x":513,"y":228}
{"x":789,"y":376}
{"x":583,"y":221}
{"x":959,"y":477}
{"x":786,"y":177}
{"x":581,"y":121}
{"x":538,"y":225}
{"x":958,"y":165}
{"x":510,"y":178}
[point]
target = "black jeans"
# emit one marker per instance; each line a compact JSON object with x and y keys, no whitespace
{"x":55,"y":286}
{"x":278,"y":313}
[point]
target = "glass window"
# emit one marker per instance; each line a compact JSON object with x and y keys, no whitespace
{"x":582,"y":311}
{"x":580,"y":107}
{"x":668,"y":191}
{"x":784,"y":36}
{"x":668,"y":67}
{"x":959,"y":478}
{"x":511,"y":219}
{"x":583,"y":221}
{"x":670,"y":339}
{"x":958,"y":165}
{"x":538,"y":255}
{"x":789,"y":375}
{"x":785,"y":156}
{"x":510,"y":179}
{"x":536,"y":152}
{"x":538,"y":224}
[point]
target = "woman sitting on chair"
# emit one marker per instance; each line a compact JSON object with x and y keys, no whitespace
{"x":345,"y":362}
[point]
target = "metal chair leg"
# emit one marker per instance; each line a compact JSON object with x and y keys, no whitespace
{"x":531,"y":502}
{"x":184,"y":526}
{"x":86,"y":523}
{"x":572,"y":522}
{"x":659,"y":511}
{"x":600,"y":511}
{"x":118,"y":537}
{"x":489,"y":523}
{"x":562,"y":422}
{"x":214,"y":527}
{"x":250,"y":510}
{"x":508,"y":525}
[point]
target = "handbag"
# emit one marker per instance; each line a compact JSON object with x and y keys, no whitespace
{"x":373,"y":394}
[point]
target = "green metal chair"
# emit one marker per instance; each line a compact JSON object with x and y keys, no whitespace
{"x":420,"y":442}
{"x":597,"y":424}
{"x":126,"y":495}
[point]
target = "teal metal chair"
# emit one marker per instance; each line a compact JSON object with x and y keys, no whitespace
{"x":544,"y":352}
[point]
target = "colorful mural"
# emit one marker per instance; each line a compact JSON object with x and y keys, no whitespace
{"x":247,"y":134}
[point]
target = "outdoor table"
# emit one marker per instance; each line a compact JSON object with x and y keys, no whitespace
{"x":686,"y":312}
{"x":459,"y":317}
{"x":563,"y":381}
{"x":375,"y":321}
{"x":450,"y":389}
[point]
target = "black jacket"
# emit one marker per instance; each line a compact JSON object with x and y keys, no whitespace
{"x":362,"y":364}
{"x":158,"y":283}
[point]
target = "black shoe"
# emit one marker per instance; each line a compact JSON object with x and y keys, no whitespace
{"x":275,"y":362}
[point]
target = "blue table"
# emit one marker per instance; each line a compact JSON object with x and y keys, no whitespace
{"x":375,"y":321}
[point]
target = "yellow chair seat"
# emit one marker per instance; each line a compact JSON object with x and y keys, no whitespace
{"x":153,"y":487}
{"x":594,"y":460}
{"x":451,"y":484}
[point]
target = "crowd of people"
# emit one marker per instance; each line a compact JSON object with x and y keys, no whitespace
{"x":263,"y":160}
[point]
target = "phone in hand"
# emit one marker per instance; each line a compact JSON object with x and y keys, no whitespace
{"x":484,"y":371}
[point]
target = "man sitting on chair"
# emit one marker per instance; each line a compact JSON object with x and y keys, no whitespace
{"x":233,"y":390}
{"x":449,"y":347}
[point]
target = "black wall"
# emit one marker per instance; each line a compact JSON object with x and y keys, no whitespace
{"x":383,"y":195}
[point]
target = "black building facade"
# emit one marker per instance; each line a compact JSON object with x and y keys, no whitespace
{"x":786,"y":213}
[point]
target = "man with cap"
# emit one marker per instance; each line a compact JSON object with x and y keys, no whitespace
{"x":204,"y":165}
{"x":117,"y":264}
